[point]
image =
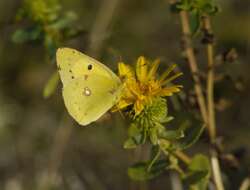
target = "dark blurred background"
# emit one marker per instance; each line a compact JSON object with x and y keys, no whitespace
{"x":40,"y":144}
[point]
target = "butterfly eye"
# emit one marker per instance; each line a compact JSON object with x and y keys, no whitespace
{"x":90,"y":67}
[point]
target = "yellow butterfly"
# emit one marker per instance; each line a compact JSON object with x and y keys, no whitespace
{"x":89,"y":87}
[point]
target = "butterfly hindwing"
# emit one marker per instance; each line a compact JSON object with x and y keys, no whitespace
{"x":89,"y":88}
{"x":86,"y":101}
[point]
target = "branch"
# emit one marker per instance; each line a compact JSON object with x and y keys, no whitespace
{"x":193,"y":64}
{"x":100,"y":28}
{"x":216,"y":171}
{"x":210,"y":77}
{"x":208,"y":39}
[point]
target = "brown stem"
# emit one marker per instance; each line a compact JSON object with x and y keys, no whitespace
{"x":183,"y":157}
{"x":193,"y":64}
{"x":210,"y":80}
{"x":216,"y":171}
{"x":100,"y":30}
{"x":210,"y":102}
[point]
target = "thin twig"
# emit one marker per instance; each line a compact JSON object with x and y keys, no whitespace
{"x":210,"y":80}
{"x":175,"y":181}
{"x":210,"y":102}
{"x":245,"y":184}
{"x":193,"y":64}
{"x":207,"y":115}
{"x":183,"y":157}
{"x":216,"y":171}
{"x":101,"y":25}
{"x":61,"y":140}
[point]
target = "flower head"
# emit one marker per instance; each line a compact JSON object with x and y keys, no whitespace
{"x":141,"y":85}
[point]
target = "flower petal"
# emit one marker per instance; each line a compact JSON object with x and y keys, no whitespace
{"x":125,"y":71}
{"x":168,"y":91}
{"x":138,"y":107}
{"x":153,"y":69}
{"x":168,"y":80}
{"x":121,"y":105}
{"x":166,"y":73}
{"x":141,"y":69}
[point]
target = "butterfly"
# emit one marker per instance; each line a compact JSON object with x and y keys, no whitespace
{"x":90,"y":88}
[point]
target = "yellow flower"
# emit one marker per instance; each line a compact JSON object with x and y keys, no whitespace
{"x":141,"y":84}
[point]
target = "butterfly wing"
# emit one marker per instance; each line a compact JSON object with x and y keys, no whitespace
{"x":89,"y":87}
{"x":73,"y":64}
{"x":87,"y":100}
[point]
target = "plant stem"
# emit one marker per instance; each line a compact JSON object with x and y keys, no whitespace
{"x":100,"y":31}
{"x":216,"y":171}
{"x":210,"y":81}
{"x":210,"y":102}
{"x":207,"y":115}
{"x":245,"y":184}
{"x":193,"y":64}
{"x":183,"y":157}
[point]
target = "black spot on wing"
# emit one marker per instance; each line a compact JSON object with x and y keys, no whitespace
{"x":90,"y":67}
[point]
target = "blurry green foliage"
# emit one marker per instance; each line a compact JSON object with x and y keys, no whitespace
{"x":51,"y":85}
{"x":198,"y":173}
{"x":199,"y":7}
{"x":140,"y":172}
{"x":152,"y":126}
{"x":196,"y":8}
{"x":48,"y":23}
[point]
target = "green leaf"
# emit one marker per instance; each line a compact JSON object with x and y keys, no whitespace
{"x":166,"y":119}
{"x":50,"y":44}
{"x":197,"y":6}
{"x":51,"y":85}
{"x":199,"y":163}
{"x":164,"y":144}
{"x":198,"y":173}
{"x":136,"y":137}
{"x":183,"y":5}
{"x":195,"y":23}
{"x":64,"y":22}
{"x":25,"y":35}
{"x":195,"y":177}
{"x":155,"y":155}
{"x":129,"y":144}
{"x":192,"y":134}
{"x":140,"y":171}
{"x":172,"y":134}
{"x":173,"y":162}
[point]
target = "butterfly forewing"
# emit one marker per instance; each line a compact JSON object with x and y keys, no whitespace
{"x":89,"y":87}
